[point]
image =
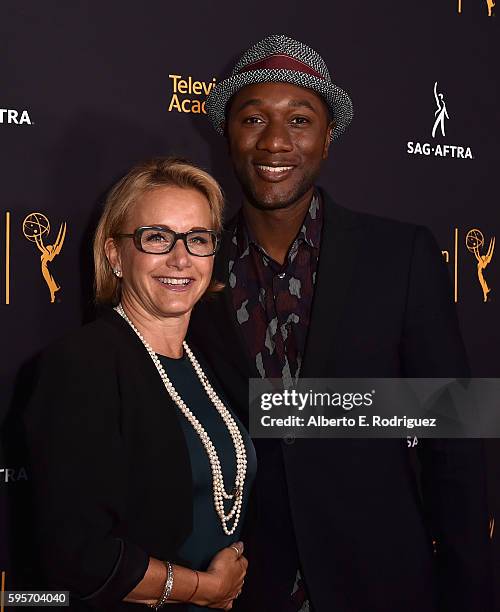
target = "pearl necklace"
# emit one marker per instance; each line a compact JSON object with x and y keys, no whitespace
{"x":219,"y":489}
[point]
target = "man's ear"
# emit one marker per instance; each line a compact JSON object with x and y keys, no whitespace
{"x":113,"y":254}
{"x":328,"y":138}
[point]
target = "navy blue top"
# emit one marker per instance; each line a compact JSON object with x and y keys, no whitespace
{"x":207,"y":537}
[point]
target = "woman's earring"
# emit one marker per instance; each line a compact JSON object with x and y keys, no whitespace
{"x":117,"y":272}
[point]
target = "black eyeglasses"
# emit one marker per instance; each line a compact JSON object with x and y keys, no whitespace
{"x":158,"y":240}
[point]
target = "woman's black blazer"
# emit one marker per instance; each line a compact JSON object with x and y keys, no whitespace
{"x":109,"y":465}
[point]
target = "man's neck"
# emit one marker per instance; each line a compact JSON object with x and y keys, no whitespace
{"x":275,"y":230}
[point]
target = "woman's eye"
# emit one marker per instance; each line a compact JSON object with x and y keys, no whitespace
{"x":158,"y":237}
{"x":198,"y":240}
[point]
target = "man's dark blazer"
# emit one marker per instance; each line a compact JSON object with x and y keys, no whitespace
{"x":382,"y":308}
{"x":109,"y":466}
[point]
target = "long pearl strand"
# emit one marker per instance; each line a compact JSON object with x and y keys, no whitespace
{"x":219,"y":489}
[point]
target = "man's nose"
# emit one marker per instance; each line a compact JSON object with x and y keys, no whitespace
{"x":275,"y":138}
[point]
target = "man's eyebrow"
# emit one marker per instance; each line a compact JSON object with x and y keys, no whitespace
{"x":251,"y":102}
{"x":292,"y":104}
{"x":299,"y":103}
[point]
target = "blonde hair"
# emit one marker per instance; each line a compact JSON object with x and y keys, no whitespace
{"x":144,"y":177}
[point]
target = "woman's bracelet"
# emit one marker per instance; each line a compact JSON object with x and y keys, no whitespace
{"x":167,"y":589}
{"x":196,"y":587}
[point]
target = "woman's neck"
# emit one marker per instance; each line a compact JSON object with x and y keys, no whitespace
{"x":163,"y":334}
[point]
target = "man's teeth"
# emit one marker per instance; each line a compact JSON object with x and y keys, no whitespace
{"x":275,"y":169}
{"x":174,"y":281}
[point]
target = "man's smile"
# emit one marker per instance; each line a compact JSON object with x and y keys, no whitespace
{"x":273,"y":172}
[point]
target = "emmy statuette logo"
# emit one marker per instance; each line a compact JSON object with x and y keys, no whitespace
{"x":474,"y":241}
{"x":490,"y":5}
{"x":36,"y":227}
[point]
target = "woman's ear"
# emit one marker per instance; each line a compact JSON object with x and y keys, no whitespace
{"x":113,"y":254}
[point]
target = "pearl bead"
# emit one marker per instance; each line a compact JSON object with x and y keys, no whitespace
{"x":219,"y":489}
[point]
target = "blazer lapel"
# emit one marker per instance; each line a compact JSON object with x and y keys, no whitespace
{"x":340,"y":240}
{"x":229,"y":323}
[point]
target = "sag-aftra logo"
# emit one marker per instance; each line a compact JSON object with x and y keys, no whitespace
{"x":437,"y":147}
{"x":15,"y":117}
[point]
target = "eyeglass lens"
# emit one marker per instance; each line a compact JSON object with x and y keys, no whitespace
{"x":160,"y":241}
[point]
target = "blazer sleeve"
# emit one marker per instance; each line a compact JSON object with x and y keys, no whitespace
{"x":453,"y":472}
{"x":79,"y":474}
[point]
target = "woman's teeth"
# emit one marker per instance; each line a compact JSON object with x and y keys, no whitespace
{"x":174,"y":281}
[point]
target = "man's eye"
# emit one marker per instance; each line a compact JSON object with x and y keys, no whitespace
{"x":252,"y":120}
{"x":300,"y":120}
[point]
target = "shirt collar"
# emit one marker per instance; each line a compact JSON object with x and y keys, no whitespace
{"x":310,"y":231}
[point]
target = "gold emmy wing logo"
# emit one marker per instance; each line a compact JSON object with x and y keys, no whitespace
{"x":35,"y":227}
{"x":2,"y":591}
{"x":489,"y":7}
{"x":474,"y":242}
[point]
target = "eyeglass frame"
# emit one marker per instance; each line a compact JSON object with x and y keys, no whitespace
{"x":177,"y":236}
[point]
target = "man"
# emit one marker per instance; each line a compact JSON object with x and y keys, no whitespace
{"x":315,"y":290}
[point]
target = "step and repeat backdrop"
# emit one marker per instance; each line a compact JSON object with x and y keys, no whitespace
{"x":89,"y":88}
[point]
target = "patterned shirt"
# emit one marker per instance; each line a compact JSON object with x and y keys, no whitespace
{"x":273,"y":307}
{"x":273,"y":301}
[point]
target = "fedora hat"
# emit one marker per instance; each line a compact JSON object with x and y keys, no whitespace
{"x":280,"y":59}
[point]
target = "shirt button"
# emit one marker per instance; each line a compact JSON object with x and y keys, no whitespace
{"x":282,"y":275}
{"x":289,"y":440}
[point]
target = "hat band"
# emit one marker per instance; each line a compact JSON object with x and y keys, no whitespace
{"x":281,"y":62}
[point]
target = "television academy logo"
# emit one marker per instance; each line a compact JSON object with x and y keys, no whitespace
{"x":15,"y":117}
{"x":189,"y":95}
{"x":438,"y":149}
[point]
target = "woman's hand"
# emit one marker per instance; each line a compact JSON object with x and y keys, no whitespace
{"x":223,"y":580}
{"x":215,"y":588}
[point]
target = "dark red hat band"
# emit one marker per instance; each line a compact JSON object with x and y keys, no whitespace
{"x":281,"y":62}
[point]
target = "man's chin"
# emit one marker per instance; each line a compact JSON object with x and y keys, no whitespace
{"x":275,"y":200}
{"x":266,"y":205}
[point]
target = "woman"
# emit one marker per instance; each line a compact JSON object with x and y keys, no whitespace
{"x":141,"y":472}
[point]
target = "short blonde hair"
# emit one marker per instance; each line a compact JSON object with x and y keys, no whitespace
{"x":144,"y":177}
